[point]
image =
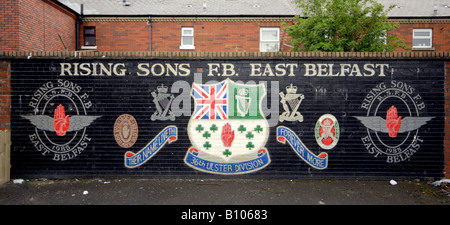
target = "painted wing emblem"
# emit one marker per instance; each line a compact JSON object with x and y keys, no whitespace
{"x":80,"y":122}
{"x":413,"y":123}
{"x":43,"y":122}
{"x":377,"y":123}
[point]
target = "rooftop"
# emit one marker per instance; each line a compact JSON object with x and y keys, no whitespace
{"x":404,"y":8}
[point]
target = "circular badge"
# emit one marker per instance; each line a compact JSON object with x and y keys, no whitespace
{"x":327,"y":131}
{"x":126,"y":130}
{"x":393,"y":120}
{"x":60,"y":116}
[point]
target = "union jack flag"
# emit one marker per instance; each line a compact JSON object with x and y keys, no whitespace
{"x":211,"y":101}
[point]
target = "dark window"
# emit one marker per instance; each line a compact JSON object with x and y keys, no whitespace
{"x":89,"y":36}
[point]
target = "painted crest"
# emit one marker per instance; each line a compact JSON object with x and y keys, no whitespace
{"x":291,"y":101}
{"x":327,"y":131}
{"x":60,"y":116}
{"x":393,"y":124}
{"x":228,"y":130}
{"x":126,"y":130}
{"x":61,"y":123}
{"x":393,"y":121}
{"x":163,"y":101}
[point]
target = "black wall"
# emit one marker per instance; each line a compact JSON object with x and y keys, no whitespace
{"x":357,"y":93}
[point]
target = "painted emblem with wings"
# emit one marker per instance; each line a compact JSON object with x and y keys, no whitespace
{"x":61,"y":123}
{"x":393,"y":124}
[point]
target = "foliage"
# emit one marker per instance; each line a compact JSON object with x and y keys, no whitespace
{"x":344,"y":26}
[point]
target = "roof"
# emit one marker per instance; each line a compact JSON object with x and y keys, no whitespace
{"x":405,"y":8}
{"x":418,"y":8}
{"x":184,"y":7}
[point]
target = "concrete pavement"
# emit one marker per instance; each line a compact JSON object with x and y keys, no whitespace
{"x":221,"y":192}
{"x":228,"y":201}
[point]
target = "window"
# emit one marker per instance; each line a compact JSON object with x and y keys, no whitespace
{"x":422,"y":38}
{"x":269,"y":39}
{"x":89,"y":36}
{"x":187,"y":38}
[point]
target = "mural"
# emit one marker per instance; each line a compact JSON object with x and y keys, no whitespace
{"x":291,"y":101}
{"x":152,"y":118}
{"x":168,"y":135}
{"x":388,"y":134}
{"x":285,"y":134}
{"x":56,"y":133}
{"x":163,"y":102}
{"x":228,"y":130}
{"x":326,"y":131}
{"x":126,"y":130}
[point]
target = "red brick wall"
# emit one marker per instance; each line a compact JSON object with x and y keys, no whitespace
{"x":209,"y":35}
{"x":5,"y":95}
{"x":441,"y":34}
{"x":9,"y":25}
{"x":227,"y":36}
{"x":119,"y":35}
{"x":40,"y":23}
{"x":34,"y":25}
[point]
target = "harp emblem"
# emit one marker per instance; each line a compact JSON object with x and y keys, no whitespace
{"x":162,"y":101}
{"x":243,"y":102}
{"x":291,"y":101}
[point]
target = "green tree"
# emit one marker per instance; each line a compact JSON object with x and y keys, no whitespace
{"x":344,"y":26}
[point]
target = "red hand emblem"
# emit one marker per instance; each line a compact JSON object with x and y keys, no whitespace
{"x":61,"y":121}
{"x":227,"y":135}
{"x":393,"y":122}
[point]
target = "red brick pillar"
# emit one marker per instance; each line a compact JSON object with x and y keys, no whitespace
{"x":5,"y":95}
{"x":5,"y":124}
{"x":447,"y":121}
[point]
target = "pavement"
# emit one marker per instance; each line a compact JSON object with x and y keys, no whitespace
{"x":247,"y":194}
{"x":222,"y":192}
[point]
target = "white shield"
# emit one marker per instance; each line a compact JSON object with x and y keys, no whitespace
{"x":228,"y":128}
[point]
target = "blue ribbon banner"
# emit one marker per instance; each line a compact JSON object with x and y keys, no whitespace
{"x":258,"y":163}
{"x":285,"y":134}
{"x":168,"y":134}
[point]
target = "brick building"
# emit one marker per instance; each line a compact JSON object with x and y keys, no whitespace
{"x":197,"y":25}
{"x":37,"y":25}
{"x":142,"y":88}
